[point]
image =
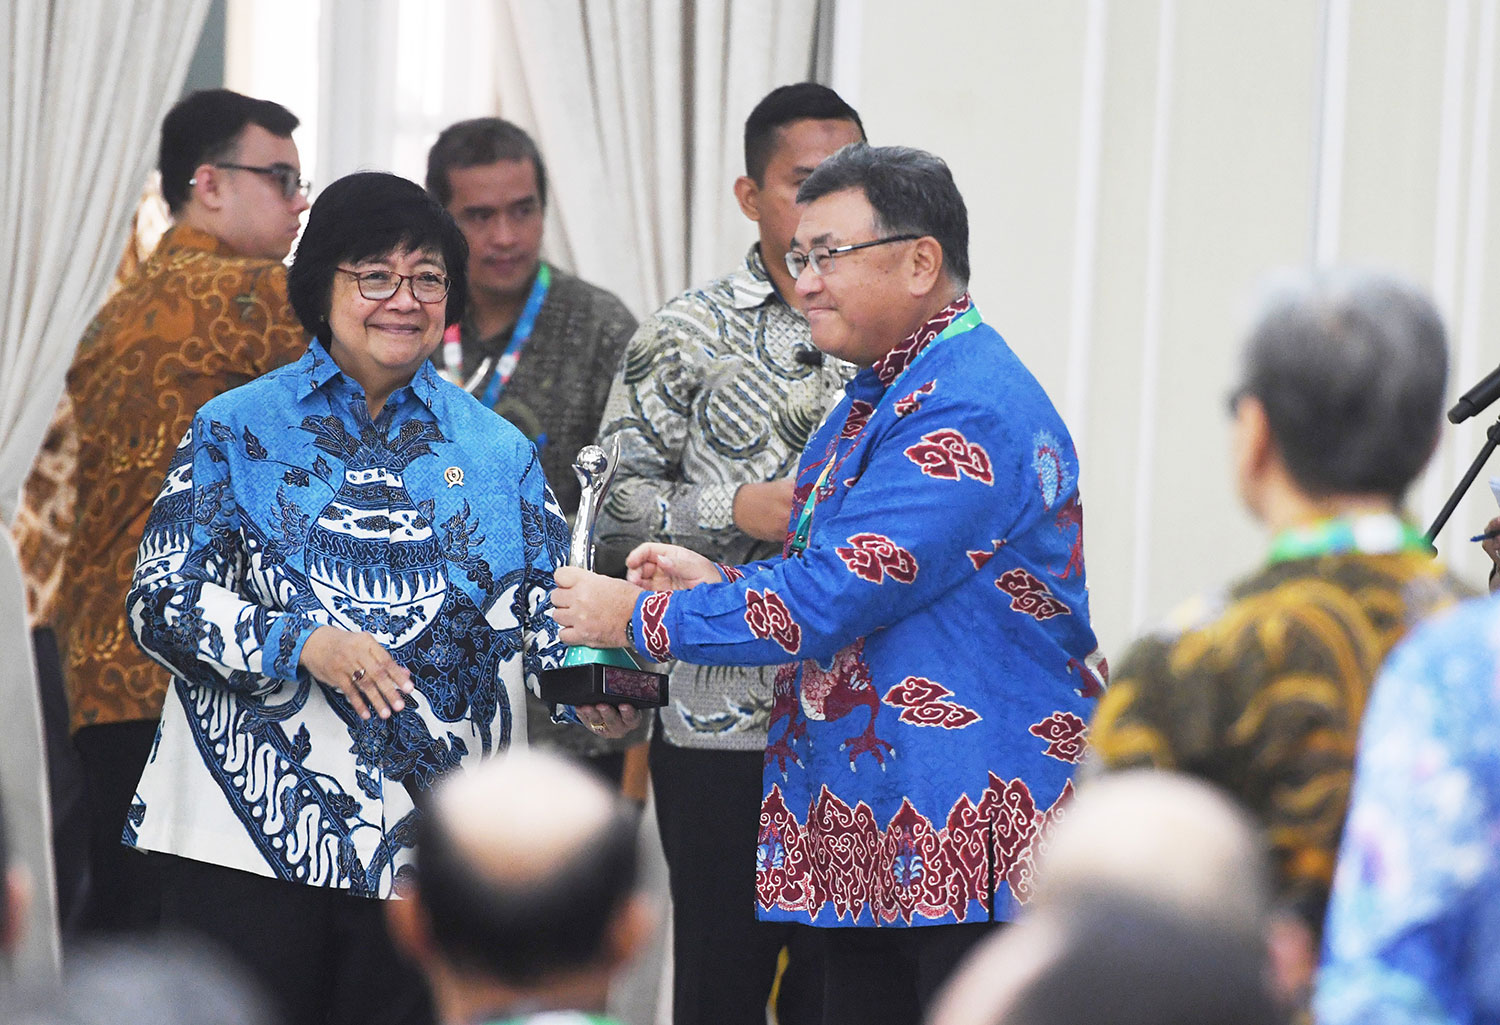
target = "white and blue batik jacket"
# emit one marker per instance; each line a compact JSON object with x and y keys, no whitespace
{"x":286,"y":508}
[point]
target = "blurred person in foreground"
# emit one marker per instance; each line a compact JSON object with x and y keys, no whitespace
{"x":1413,"y":929}
{"x":347,"y":574}
{"x":14,"y":900}
{"x":1152,"y":905}
{"x":526,"y":902}
{"x":930,"y":613}
{"x":207,"y":312}
{"x":1261,"y":689}
{"x":141,"y":981}
{"x":718,"y":393}
{"x":536,"y":344}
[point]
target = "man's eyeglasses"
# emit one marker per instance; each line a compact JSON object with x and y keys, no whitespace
{"x":289,"y":178}
{"x":820,"y":258}
{"x":378,"y":285}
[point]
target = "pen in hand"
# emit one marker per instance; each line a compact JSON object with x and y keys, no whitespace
{"x":1487,"y":535}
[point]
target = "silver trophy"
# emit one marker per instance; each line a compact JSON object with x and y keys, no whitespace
{"x":592,"y":676}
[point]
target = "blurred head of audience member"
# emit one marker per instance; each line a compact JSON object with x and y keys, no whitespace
{"x":229,"y":167}
{"x":1340,"y":397}
{"x":1152,"y":905}
{"x":526,"y":894}
{"x":789,"y":133}
{"x":490,"y":176}
{"x":150,"y":981}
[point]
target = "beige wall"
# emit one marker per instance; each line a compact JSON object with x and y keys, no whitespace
{"x":1118,"y":250}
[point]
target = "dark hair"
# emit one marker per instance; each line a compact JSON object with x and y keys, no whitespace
{"x":1351,"y":368}
{"x":911,"y":192}
{"x":1124,"y":963}
{"x":475,"y":143}
{"x":780,"y":107}
{"x":369,"y":214}
{"x":205,"y":127}
{"x":521,"y":932}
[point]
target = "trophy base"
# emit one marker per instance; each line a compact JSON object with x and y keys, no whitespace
{"x":603,"y":677}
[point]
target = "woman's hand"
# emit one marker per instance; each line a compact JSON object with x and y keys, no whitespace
{"x":658,"y":567}
{"x":358,"y":666}
{"x":609,"y":720}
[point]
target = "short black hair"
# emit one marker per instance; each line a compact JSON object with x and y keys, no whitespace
{"x":780,"y":107}
{"x":475,"y":143}
{"x":364,"y":215}
{"x":205,"y":127}
{"x":523,"y":932}
{"x":910,"y":190}
{"x":1351,"y":368}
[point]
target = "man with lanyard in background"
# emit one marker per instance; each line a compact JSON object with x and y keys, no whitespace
{"x":1261,"y":689}
{"x":537,"y":345}
{"x":931,"y":615}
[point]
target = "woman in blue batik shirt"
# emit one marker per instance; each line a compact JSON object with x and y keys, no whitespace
{"x":347,"y":573}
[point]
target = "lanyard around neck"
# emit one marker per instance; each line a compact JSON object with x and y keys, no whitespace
{"x":519,"y":336}
{"x":1370,"y":534}
{"x":968,"y":320}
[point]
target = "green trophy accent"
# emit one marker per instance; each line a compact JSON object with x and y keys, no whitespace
{"x":598,"y":676}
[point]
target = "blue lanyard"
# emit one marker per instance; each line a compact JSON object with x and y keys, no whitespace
{"x":968,"y":320}
{"x":506,"y":365}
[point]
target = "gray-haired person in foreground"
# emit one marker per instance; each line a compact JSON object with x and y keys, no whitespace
{"x":1260,"y":689}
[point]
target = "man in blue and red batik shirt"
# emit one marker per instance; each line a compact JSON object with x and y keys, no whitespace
{"x":931,"y":601}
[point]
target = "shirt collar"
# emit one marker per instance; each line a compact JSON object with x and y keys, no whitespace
{"x":750,"y":285}
{"x":318,"y":369}
{"x":892,"y":364}
{"x":181,"y":236}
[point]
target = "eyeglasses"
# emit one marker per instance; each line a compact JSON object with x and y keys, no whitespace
{"x":289,"y":178}
{"x":426,"y":287}
{"x":820,"y":258}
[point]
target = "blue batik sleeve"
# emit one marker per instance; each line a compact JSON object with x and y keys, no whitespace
{"x":185,"y":603}
{"x":928,"y":489}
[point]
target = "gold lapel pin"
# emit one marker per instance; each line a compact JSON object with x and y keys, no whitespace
{"x":454,"y":476}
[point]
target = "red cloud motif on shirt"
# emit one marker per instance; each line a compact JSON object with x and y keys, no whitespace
{"x":654,"y":637}
{"x":1065,"y":734}
{"x":946,"y":454}
{"x":1030,"y":595}
{"x":860,"y":412}
{"x":769,"y":619}
{"x":913,"y":402}
{"x":730,"y":573}
{"x":923,"y":703}
{"x":873,"y":557}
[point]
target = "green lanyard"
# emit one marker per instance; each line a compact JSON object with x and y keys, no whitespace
{"x":967,"y":321}
{"x":1370,"y":534}
{"x":556,"y":1018}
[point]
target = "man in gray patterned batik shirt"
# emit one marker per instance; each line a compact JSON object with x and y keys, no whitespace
{"x":718,"y":393}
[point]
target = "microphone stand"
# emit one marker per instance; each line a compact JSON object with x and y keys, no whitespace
{"x":1492,"y":441}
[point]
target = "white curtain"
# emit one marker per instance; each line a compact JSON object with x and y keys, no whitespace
{"x":86,"y":86}
{"x":639,"y":107}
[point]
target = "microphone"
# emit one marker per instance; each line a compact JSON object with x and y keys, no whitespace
{"x":810,"y":357}
{"x":1476,"y":398}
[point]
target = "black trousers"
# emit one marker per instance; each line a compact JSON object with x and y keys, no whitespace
{"x":724,"y":961}
{"x":892,"y":976}
{"x":123,"y":893}
{"x":322,"y":956}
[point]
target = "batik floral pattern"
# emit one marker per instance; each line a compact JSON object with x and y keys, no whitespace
{"x":874,"y":557}
{"x":654,"y":637}
{"x":924,"y":702}
{"x":909,"y":869}
{"x":1030,"y":595}
{"x":1066,"y":736}
{"x":947,"y":455}
{"x":768,"y":618}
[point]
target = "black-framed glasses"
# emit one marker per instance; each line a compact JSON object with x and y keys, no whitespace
{"x":820,"y":258}
{"x":378,"y":285}
{"x":287,"y":177}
